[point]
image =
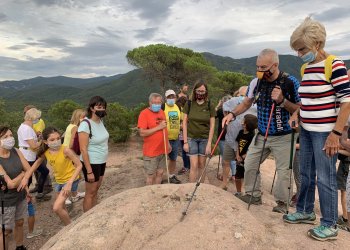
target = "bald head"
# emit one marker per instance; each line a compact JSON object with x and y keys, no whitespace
{"x":242,"y":90}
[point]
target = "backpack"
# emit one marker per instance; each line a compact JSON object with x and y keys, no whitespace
{"x":327,"y":68}
{"x":189,"y":106}
{"x":76,"y":146}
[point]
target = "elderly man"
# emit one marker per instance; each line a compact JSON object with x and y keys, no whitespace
{"x":152,"y":127}
{"x":282,"y":89}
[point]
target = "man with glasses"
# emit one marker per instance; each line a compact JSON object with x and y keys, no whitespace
{"x":282,"y":89}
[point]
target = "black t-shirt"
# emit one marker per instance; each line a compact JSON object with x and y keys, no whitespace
{"x":220,"y":115}
{"x":244,"y":141}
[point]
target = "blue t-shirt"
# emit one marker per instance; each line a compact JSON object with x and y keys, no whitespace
{"x":98,"y":143}
{"x":262,"y":95}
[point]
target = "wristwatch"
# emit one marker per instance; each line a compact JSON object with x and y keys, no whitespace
{"x":233,"y":114}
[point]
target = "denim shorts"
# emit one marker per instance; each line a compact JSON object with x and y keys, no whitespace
{"x":174,"y":149}
{"x":197,"y":146}
{"x":75,"y":184}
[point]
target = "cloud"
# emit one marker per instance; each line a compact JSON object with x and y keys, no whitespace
{"x":146,"y":34}
{"x":18,"y":47}
{"x":332,"y":14}
{"x":3,"y":17}
{"x":108,"y":33}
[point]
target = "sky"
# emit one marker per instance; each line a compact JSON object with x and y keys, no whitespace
{"x":89,"y":38}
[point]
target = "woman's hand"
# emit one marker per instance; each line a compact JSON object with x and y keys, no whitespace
{"x":186,"y":148}
{"x":67,"y":189}
{"x":332,"y":145}
{"x":91,"y":177}
{"x":208,"y":149}
{"x":23,"y":184}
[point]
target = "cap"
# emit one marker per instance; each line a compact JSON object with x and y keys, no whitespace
{"x":169,"y":92}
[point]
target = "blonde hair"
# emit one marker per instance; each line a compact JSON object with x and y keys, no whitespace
{"x":310,"y":32}
{"x":32,"y":114}
{"x":75,"y":119}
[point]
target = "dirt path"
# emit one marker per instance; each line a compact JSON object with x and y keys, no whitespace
{"x":125,"y":171}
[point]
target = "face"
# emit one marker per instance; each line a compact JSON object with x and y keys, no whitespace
{"x":185,"y":88}
{"x":8,"y":134}
{"x":201,"y":90}
{"x":53,"y":137}
{"x":171,"y":97}
{"x":265,"y":63}
{"x":156,"y":100}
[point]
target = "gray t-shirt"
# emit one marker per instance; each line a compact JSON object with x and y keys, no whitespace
{"x":235,"y":126}
{"x":13,"y":167}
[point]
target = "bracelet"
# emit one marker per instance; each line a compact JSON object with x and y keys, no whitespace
{"x":233,"y":114}
{"x":89,"y":173}
{"x":336,"y":132}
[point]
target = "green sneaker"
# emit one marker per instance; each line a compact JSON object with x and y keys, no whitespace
{"x":323,"y":233}
{"x":297,"y":218}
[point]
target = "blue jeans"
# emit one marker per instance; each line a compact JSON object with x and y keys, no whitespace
{"x":314,"y":161}
{"x":174,"y":149}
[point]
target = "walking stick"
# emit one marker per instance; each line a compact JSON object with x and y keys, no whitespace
{"x":200,"y":178}
{"x":262,"y":153}
{"x":273,"y":181}
{"x":166,"y":156}
{"x":291,"y":165}
{"x":217,"y":172}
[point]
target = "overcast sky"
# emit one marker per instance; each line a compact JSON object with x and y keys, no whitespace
{"x":87,"y":38}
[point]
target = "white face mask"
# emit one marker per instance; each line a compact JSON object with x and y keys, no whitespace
{"x":35,"y":121}
{"x":7,"y":143}
{"x":54,"y":145}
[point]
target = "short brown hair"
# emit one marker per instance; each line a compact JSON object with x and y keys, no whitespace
{"x":251,"y":122}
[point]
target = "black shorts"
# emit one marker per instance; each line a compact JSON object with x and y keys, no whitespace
{"x":239,"y":171}
{"x":342,"y":174}
{"x":97,"y":169}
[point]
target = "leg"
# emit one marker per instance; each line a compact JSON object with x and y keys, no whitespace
{"x":307,"y":168}
{"x":201,"y":166}
{"x":225,"y":174}
{"x":150,"y":179}
{"x":194,"y":168}
{"x":90,"y":195}
{"x":159,"y":176}
{"x":296,"y":171}
{"x":228,"y":156}
{"x":18,"y":233}
{"x":251,"y":165}
{"x":60,"y":209}
{"x":7,"y":238}
{"x":343,"y":203}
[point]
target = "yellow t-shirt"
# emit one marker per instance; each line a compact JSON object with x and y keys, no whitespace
{"x":172,"y":115}
{"x":62,"y":166}
{"x":39,"y":127}
{"x":68,"y":134}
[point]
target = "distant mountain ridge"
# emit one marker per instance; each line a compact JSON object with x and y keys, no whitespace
{"x":128,"y":89}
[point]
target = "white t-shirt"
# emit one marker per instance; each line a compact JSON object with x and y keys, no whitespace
{"x":26,"y":133}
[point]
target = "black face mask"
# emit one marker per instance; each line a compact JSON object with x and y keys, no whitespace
{"x":201,"y":96}
{"x":100,"y":113}
{"x":267,"y":73}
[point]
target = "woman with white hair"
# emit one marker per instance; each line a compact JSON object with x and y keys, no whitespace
{"x":28,"y":144}
{"x":325,"y":108}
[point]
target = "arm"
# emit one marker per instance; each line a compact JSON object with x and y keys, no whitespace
{"x":73,"y":132}
{"x":184,"y":132}
{"x":33,"y":144}
{"x":11,"y":184}
{"x":29,"y":172}
{"x":25,"y":164}
{"x":83,"y":143}
{"x":147,"y":132}
{"x":78,"y":166}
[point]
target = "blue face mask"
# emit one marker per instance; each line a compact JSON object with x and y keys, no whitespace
{"x":156,"y":107}
{"x":309,"y":57}
{"x":170,"y":102}
{"x":240,"y":99}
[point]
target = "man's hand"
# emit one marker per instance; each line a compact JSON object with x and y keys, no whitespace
{"x":162,"y":125}
{"x":227,"y":119}
{"x":277,"y":94}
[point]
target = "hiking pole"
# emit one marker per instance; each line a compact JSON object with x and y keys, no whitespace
{"x":262,"y":153}
{"x":166,"y":156}
{"x":200,"y":178}
{"x":291,"y":165}
{"x":273,"y":181}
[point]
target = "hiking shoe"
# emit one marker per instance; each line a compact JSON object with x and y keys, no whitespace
{"x":341,"y":221}
{"x":323,"y":233}
{"x":68,"y":202}
{"x":237,"y":194}
{"x":48,"y":189}
{"x":246,"y":199}
{"x":42,"y":197}
{"x":79,"y":195}
{"x":298,"y":218}
{"x":280,"y":208}
{"x":35,"y":233}
{"x":174,"y":180}
{"x":183,"y":171}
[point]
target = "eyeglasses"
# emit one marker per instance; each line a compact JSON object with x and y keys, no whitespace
{"x":201,"y":91}
{"x":263,"y":67}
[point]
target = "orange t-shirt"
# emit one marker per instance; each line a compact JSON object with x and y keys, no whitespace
{"x":154,"y":144}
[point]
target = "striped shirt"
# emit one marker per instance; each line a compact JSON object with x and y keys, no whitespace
{"x":320,"y":100}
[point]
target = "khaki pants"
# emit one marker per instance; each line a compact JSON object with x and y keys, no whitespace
{"x":279,"y":146}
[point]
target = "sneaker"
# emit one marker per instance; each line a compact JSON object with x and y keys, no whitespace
{"x":183,"y":171}
{"x":341,"y":221}
{"x":174,"y":180}
{"x":323,"y":233}
{"x":21,"y":247}
{"x":280,"y":208}
{"x":237,"y":194}
{"x":48,"y":189}
{"x":79,"y":195}
{"x":42,"y":197}
{"x":296,"y":218}
{"x":68,"y":202}
{"x":35,"y":233}
{"x":246,"y":199}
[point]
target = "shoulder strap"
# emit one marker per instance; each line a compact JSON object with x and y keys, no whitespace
{"x":189,"y":106}
{"x":328,"y":67}
{"x":163,"y":106}
{"x":302,"y":69}
{"x":88,"y":122}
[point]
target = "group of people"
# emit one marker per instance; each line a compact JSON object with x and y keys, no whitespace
{"x":278,"y":105}
{"x":259,"y":121}
{"x":84,"y":148}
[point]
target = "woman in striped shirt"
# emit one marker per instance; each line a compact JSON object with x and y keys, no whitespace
{"x":325,"y":108}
